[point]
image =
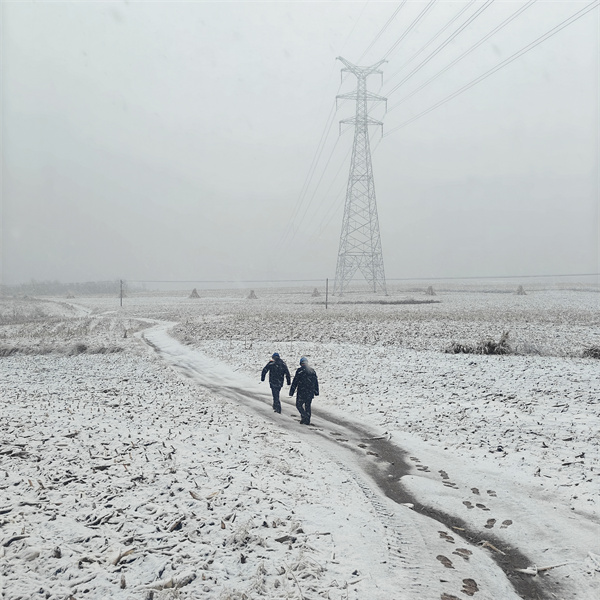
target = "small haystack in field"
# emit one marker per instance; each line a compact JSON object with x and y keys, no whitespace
{"x":520,"y":291}
{"x":194,"y":294}
{"x":429,"y":291}
{"x":252,"y":295}
{"x":316,"y":293}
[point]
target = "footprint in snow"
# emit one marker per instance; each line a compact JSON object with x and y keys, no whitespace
{"x":444,"y":475}
{"x":463,"y":553}
{"x":448,"y":597}
{"x":445,"y":561}
{"x":450,"y":484}
{"x":362,"y":445}
{"x":423,"y":468}
{"x":482,"y":506}
{"x":490,"y":523}
{"x":475,"y":491}
{"x":492,"y":493}
{"x":414,"y":458}
{"x":469,"y":587}
{"x":444,"y":535}
{"x":506,"y":524}
{"x":468,"y":504}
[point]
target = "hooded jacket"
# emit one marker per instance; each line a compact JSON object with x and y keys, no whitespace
{"x":277,"y":370}
{"x":306,"y":382}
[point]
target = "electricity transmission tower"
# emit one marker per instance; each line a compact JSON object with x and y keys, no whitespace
{"x":360,"y":240}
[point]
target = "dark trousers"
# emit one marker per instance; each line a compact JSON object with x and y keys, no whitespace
{"x":303,"y":406}
{"x":276,"y":403}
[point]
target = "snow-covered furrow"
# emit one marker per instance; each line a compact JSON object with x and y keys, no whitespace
{"x":474,"y":510}
{"x":119,"y":480}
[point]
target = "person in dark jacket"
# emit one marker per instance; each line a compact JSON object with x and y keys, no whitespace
{"x":307,"y":386}
{"x":277,"y":370}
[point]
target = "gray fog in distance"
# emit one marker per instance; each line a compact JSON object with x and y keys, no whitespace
{"x":172,"y":140}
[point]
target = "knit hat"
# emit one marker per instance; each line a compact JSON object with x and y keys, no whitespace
{"x":275,"y":355}
{"x":303,"y":360}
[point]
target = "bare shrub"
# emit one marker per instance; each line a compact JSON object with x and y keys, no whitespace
{"x":79,"y":348}
{"x":485,"y":347}
{"x":592,"y":352}
{"x":74,"y":350}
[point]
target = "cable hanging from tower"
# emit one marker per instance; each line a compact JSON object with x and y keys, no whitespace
{"x":424,"y":47}
{"x":415,"y":22}
{"x":472,"y":48}
{"x":382,"y":30}
{"x":546,"y":36}
{"x":289,"y":228}
{"x":445,"y":43}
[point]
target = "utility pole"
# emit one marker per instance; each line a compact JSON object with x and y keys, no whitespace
{"x":360,"y":240}
{"x":121,"y":294}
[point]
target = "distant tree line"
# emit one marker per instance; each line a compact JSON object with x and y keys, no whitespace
{"x":56,"y":288}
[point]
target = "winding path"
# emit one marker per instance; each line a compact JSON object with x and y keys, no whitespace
{"x":420,"y":557}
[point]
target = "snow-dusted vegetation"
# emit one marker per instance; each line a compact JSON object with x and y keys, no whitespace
{"x":148,"y":463}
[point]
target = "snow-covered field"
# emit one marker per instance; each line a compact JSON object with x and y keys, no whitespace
{"x":121,"y":432}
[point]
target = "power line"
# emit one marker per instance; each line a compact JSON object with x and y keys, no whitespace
{"x":423,"y":48}
{"x":344,"y":161}
{"x":339,"y":198}
{"x":449,"y":39}
{"x":223,"y":280}
{"x":415,"y":22}
{"x":338,"y":195}
{"x":382,"y":30}
{"x":289,"y":229}
{"x":465,"y":53}
{"x":308,"y":179}
{"x":316,"y":187}
{"x":328,"y":216}
{"x":552,"y":32}
{"x":320,"y":147}
{"x":355,"y":24}
{"x":292,"y":232}
{"x":469,"y":277}
{"x":475,"y":277}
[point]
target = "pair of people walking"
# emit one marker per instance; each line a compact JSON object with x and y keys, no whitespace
{"x":305,"y":385}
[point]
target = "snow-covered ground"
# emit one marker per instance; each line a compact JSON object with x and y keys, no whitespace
{"x":112,"y":456}
{"x":506,"y":447}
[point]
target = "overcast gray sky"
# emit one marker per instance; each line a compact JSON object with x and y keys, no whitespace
{"x":166,"y":140}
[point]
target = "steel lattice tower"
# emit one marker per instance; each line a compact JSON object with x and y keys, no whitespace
{"x":360,"y":240}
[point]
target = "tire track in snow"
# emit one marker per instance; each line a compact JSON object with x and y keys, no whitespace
{"x":412,"y":547}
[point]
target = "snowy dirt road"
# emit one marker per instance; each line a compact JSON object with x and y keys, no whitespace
{"x":432,"y":550}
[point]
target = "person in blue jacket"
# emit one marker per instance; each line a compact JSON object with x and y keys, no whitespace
{"x":278,"y":371}
{"x":307,"y":386}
